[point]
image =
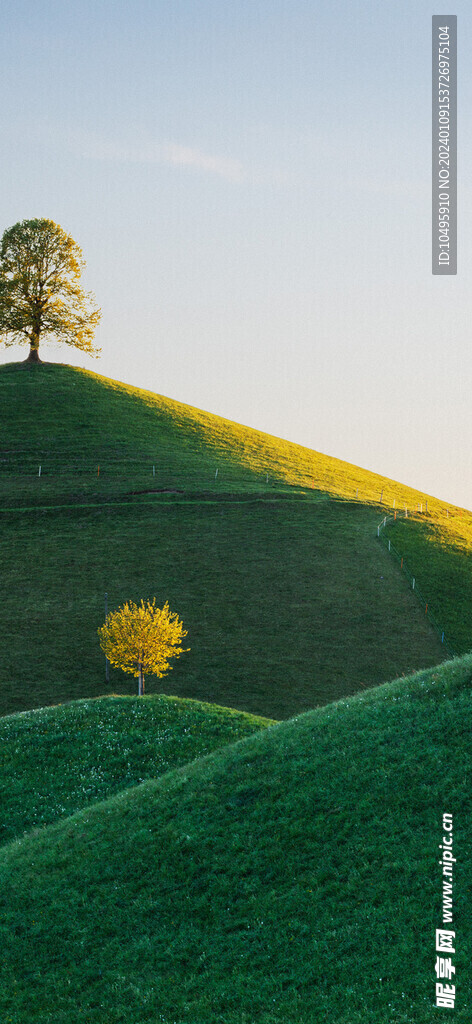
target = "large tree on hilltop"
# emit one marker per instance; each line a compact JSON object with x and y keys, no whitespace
{"x":40,"y":295}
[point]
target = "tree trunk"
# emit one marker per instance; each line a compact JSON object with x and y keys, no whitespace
{"x":33,"y":356}
{"x":141,"y":683}
{"x":34,"y":350}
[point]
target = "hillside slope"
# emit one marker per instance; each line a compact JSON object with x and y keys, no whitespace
{"x":287,"y":604}
{"x":70,"y":421}
{"x":289,"y":599}
{"x":60,"y":759}
{"x":438,"y":552}
{"x":289,"y":878}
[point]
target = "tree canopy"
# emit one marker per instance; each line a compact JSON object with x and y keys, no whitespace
{"x":142,"y":638}
{"x":40,"y":294}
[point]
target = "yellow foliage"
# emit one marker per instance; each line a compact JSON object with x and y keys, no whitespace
{"x":142,"y":638}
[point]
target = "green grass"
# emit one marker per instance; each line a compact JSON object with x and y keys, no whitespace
{"x":272,"y":873}
{"x":70,"y":421}
{"x":58,"y":760}
{"x":288,"y":598}
{"x":289,"y":878}
{"x":440,"y":558}
{"x":287,"y":604}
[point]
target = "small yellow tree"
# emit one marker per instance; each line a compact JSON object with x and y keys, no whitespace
{"x":142,"y":638}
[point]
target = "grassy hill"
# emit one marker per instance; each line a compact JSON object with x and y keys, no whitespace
{"x":272,"y":563}
{"x":290,"y":877}
{"x":289,"y":599}
{"x":287,"y":606}
{"x":57,"y":760}
{"x":70,"y":421}
{"x":177,"y":861}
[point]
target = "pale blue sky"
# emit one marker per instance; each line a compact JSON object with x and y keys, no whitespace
{"x":249,"y":181}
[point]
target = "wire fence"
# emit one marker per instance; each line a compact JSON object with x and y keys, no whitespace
{"x":183,"y":468}
{"x":142,"y":471}
{"x":403,"y":514}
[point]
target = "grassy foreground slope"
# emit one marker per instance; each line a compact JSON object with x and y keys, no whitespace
{"x":289,"y":878}
{"x":59,"y":759}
